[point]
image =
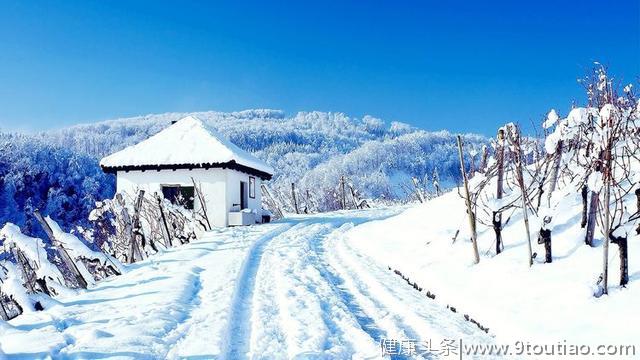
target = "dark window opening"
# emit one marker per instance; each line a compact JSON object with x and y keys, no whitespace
{"x":243,"y":195}
{"x":179,"y":195}
{"x":252,"y":187}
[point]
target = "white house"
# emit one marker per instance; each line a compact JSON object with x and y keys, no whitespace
{"x":229,"y":177}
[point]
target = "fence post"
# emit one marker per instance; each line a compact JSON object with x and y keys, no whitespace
{"x":71,"y":265}
{"x":472,"y":220}
{"x":293,"y":197}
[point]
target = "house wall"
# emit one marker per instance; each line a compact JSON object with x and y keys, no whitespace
{"x":221,"y":188}
{"x":233,"y":190}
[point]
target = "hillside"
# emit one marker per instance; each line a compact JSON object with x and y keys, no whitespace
{"x":57,"y":170}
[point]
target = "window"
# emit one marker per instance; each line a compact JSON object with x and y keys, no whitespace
{"x":243,"y":195}
{"x":252,"y":187}
{"x":179,"y":195}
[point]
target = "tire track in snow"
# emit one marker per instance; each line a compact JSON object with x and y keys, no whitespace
{"x":176,"y":334}
{"x":238,"y":332}
{"x":275,"y":329}
{"x":428,"y":318}
{"x":300,"y":297}
{"x":372,"y":317}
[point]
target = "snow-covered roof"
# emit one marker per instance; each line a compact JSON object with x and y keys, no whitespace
{"x":188,"y":143}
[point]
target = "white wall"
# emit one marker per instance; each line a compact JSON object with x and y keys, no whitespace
{"x":221,"y":187}
{"x":233,"y":190}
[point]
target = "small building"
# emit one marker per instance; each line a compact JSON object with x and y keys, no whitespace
{"x":188,"y":152}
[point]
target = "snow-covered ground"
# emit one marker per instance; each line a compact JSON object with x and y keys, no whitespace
{"x":544,"y":304}
{"x":292,"y":289}
{"x":322,"y":286}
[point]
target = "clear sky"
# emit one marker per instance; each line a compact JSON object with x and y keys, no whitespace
{"x":434,"y":64}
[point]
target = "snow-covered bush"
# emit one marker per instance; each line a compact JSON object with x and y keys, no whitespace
{"x":130,"y":231}
{"x":592,"y":154}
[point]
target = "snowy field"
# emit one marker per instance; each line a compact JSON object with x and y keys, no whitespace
{"x":545,"y":304}
{"x":293,"y":289}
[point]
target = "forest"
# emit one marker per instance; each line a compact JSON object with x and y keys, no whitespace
{"x":57,"y":171}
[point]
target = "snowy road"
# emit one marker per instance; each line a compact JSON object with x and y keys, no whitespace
{"x":289,"y":290}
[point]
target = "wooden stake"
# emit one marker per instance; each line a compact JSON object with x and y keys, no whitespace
{"x":416,"y":187}
{"x":555,"y":171}
{"x":70,"y":264}
{"x":584,"y":192}
{"x":607,"y":219}
{"x":26,"y":269}
{"x":472,"y":221}
{"x":485,"y":157}
{"x":163,"y":222}
{"x":638,"y":208}
{"x":293,"y":198}
{"x":354,"y":197}
{"x":308,"y":201}
{"x":136,"y":229}
{"x":342,"y":193}
{"x":523,"y":190}
{"x":5,"y":315}
{"x":500,"y":160}
{"x":274,"y":203}
{"x":497,"y":216}
{"x":203,"y":205}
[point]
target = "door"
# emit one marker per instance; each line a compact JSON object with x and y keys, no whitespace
{"x":243,"y":195}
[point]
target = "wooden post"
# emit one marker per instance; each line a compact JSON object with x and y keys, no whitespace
{"x":485,"y":157}
{"x":416,"y":187}
{"x":584,"y":193}
{"x":555,"y":171}
{"x":203,"y":205}
{"x":26,"y":269}
{"x":163,"y":222}
{"x":624,"y":260}
{"x":500,"y":161}
{"x":67,"y":260}
{"x":638,"y":208}
{"x":472,"y":220}
{"x":293,"y":198}
{"x":544,"y":237}
{"x":136,"y":230}
{"x":497,"y":228}
{"x":591,"y":221}
{"x":435,"y":179}
{"x":354,"y":197}
{"x":607,"y":217}
{"x":30,"y":275}
{"x":308,"y":201}
{"x":497,"y":215}
{"x":4,"y":314}
{"x":343,"y":196}
{"x":523,"y":190}
{"x":274,"y":203}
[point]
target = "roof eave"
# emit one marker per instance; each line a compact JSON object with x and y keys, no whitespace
{"x":233,"y":165}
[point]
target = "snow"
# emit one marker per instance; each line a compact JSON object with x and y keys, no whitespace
{"x":551,"y":142}
{"x":544,"y":304}
{"x":290,"y":289}
{"x":187,"y":142}
{"x":566,"y":128}
{"x":12,"y":286}
{"x":552,"y":119}
{"x":75,"y":246}
{"x":33,"y":249}
{"x":607,"y":112}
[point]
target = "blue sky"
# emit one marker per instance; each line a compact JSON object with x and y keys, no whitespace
{"x":453,"y":65}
